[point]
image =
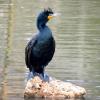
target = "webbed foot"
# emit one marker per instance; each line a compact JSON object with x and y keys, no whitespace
{"x":44,"y":76}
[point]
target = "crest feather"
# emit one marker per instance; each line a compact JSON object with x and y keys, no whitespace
{"x":48,"y":10}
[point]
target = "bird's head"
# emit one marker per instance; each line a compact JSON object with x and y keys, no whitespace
{"x":44,"y":17}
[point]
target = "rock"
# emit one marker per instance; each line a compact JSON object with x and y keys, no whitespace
{"x":54,"y":88}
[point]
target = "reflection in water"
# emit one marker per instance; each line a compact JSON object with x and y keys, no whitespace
{"x":4,"y":84}
{"x":8,"y":45}
{"x":77,"y":57}
{"x":57,"y":98}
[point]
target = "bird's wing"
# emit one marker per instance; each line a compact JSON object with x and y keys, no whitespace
{"x":28,"y":51}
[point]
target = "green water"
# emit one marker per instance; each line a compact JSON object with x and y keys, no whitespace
{"x":77,"y":34}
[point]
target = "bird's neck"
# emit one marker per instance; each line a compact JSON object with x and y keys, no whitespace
{"x":41,"y":25}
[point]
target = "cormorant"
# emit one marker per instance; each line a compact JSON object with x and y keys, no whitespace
{"x":40,"y":49}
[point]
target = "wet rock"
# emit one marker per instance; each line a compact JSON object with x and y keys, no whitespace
{"x":54,"y":88}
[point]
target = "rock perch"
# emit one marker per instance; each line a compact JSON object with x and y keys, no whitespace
{"x":54,"y":88}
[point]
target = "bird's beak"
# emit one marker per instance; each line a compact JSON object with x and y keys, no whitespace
{"x":50,"y":17}
{"x":53,"y":15}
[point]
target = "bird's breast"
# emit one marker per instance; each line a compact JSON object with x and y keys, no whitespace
{"x":44,"y":46}
{"x":44,"y":43}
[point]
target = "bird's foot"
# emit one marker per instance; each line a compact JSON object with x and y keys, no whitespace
{"x":30,"y":76}
{"x":44,"y":76}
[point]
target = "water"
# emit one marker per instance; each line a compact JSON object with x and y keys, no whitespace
{"x":76,"y":31}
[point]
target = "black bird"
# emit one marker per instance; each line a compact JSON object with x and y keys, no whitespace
{"x":40,"y":49}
